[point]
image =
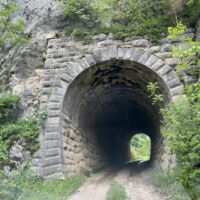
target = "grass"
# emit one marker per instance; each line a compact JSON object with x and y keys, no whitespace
{"x":168,"y":184}
{"x":116,"y":192}
{"x":32,"y":188}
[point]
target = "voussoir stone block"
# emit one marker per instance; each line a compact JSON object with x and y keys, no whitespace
{"x":157,"y":65}
{"x":136,"y":53}
{"x":143,"y":58}
{"x":150,"y":61}
{"x":164,"y":70}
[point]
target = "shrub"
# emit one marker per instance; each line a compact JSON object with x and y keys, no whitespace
{"x":181,"y":129}
{"x":8,"y":107}
{"x":25,"y":132}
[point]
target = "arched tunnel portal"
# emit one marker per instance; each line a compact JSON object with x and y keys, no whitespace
{"x":104,"y":106}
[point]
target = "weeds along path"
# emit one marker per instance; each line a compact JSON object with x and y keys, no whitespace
{"x":138,"y":186}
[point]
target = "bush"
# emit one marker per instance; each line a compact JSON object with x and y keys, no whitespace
{"x":8,"y":107}
{"x":25,"y":132}
{"x":181,"y":129}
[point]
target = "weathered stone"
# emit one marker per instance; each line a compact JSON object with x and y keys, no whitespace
{"x":164,"y":55}
{"x":172,"y":61}
{"x":52,"y":161}
{"x":140,"y":43}
{"x":100,"y":37}
{"x":52,"y":136}
{"x":52,"y":144}
{"x":155,"y":49}
{"x":105,"y":43}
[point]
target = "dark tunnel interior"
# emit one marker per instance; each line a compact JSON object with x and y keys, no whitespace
{"x":109,"y":102}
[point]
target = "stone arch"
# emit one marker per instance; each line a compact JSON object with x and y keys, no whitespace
{"x":65,"y":130}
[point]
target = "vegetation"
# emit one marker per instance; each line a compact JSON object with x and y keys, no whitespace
{"x":126,"y":18}
{"x":140,"y":147}
{"x":11,"y":29}
{"x":186,"y":50}
{"x":181,"y":128}
{"x":181,"y":119}
{"x":24,"y":185}
{"x":116,"y":192}
{"x":25,"y":132}
{"x":169,"y":185}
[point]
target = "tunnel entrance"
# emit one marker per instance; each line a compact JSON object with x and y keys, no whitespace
{"x":103,"y":108}
{"x":140,"y":147}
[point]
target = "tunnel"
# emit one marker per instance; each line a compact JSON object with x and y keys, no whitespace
{"x":104,"y":107}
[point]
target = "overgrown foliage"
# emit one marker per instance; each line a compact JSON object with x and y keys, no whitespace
{"x":181,"y":129}
{"x":116,"y":192}
{"x":187,"y":50}
{"x":24,"y":185}
{"x":11,"y":29}
{"x":12,"y":130}
{"x":154,"y":93}
{"x":126,"y":18}
{"x":181,"y":119}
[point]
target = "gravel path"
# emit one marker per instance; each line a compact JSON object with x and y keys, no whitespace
{"x":138,"y":186}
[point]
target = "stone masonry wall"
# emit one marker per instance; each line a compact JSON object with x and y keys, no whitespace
{"x":64,"y":62}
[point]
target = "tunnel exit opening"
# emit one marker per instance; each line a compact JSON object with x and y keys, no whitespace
{"x":140,"y":147}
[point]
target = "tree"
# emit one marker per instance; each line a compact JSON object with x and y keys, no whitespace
{"x":11,"y":29}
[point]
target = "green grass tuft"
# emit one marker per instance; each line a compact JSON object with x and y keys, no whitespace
{"x":116,"y":192}
{"x":31,"y":187}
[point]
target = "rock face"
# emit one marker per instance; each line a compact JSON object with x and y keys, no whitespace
{"x":94,"y":93}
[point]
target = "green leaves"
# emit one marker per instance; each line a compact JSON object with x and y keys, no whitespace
{"x":116,"y":192}
{"x":11,"y":30}
{"x":8,"y":107}
{"x":181,"y":129}
{"x":155,"y":95}
{"x":26,"y":132}
{"x":188,"y":49}
{"x":174,"y":32}
{"x":130,"y":17}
